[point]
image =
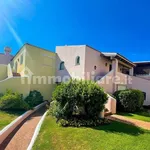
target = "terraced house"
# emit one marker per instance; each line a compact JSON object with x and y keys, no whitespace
{"x":111,"y":71}
{"x":31,"y":63}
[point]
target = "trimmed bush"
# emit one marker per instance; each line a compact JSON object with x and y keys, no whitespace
{"x":78,"y":98}
{"x":130,"y":100}
{"x":12,"y":101}
{"x":35,"y":98}
{"x":74,"y":122}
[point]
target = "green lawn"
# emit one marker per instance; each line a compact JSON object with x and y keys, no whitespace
{"x":116,"y":136}
{"x":144,"y":116}
{"x":7,"y":117}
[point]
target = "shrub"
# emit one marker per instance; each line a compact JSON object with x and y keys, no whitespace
{"x":35,"y":98}
{"x":78,"y":97}
{"x":1,"y":95}
{"x":74,"y":122}
{"x":130,"y":100}
{"x":12,"y":101}
{"x":52,"y":108}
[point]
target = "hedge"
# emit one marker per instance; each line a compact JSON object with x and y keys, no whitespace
{"x":129,"y":100}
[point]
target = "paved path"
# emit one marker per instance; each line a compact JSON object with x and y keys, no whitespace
{"x":23,"y":136}
{"x":135,"y":122}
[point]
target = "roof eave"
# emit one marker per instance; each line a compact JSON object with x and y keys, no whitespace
{"x":122,"y":57}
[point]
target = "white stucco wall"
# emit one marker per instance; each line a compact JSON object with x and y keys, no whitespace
{"x":5,"y":58}
{"x":89,"y":58}
{"x":68,"y":54}
{"x":94,"y":58}
{"x":107,"y":83}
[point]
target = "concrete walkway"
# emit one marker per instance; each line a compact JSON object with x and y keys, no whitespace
{"x":21,"y":139}
{"x":134,"y":122}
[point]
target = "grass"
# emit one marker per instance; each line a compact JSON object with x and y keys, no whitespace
{"x":6,"y":117}
{"x":116,"y":136}
{"x":144,"y":116}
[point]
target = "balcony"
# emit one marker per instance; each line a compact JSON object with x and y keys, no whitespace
{"x":144,"y":76}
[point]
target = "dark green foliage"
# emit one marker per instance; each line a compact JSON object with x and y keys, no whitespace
{"x":78,"y":97}
{"x":1,"y":95}
{"x":130,"y":100}
{"x":35,"y":98}
{"x":12,"y":101}
{"x":75,"y":122}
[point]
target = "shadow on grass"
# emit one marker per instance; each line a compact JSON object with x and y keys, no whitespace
{"x":144,"y":113}
{"x":125,"y":114}
{"x":121,"y":128}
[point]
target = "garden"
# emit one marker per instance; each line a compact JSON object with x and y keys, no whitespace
{"x":12,"y":105}
{"x":114,"y":136}
{"x":74,"y":120}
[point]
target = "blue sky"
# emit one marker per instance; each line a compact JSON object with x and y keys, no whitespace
{"x":121,"y":26}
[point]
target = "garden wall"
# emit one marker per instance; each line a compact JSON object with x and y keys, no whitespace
{"x":16,"y":85}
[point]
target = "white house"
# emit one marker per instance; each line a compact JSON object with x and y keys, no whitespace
{"x":111,"y":71}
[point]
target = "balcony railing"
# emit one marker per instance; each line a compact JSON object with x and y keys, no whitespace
{"x":143,"y":75}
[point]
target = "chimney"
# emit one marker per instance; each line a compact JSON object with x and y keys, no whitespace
{"x":7,"y":50}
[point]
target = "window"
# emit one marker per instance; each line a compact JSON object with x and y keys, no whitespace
{"x":62,"y":66}
{"x":21,"y":59}
{"x":77,"y":60}
{"x":95,"y":67}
